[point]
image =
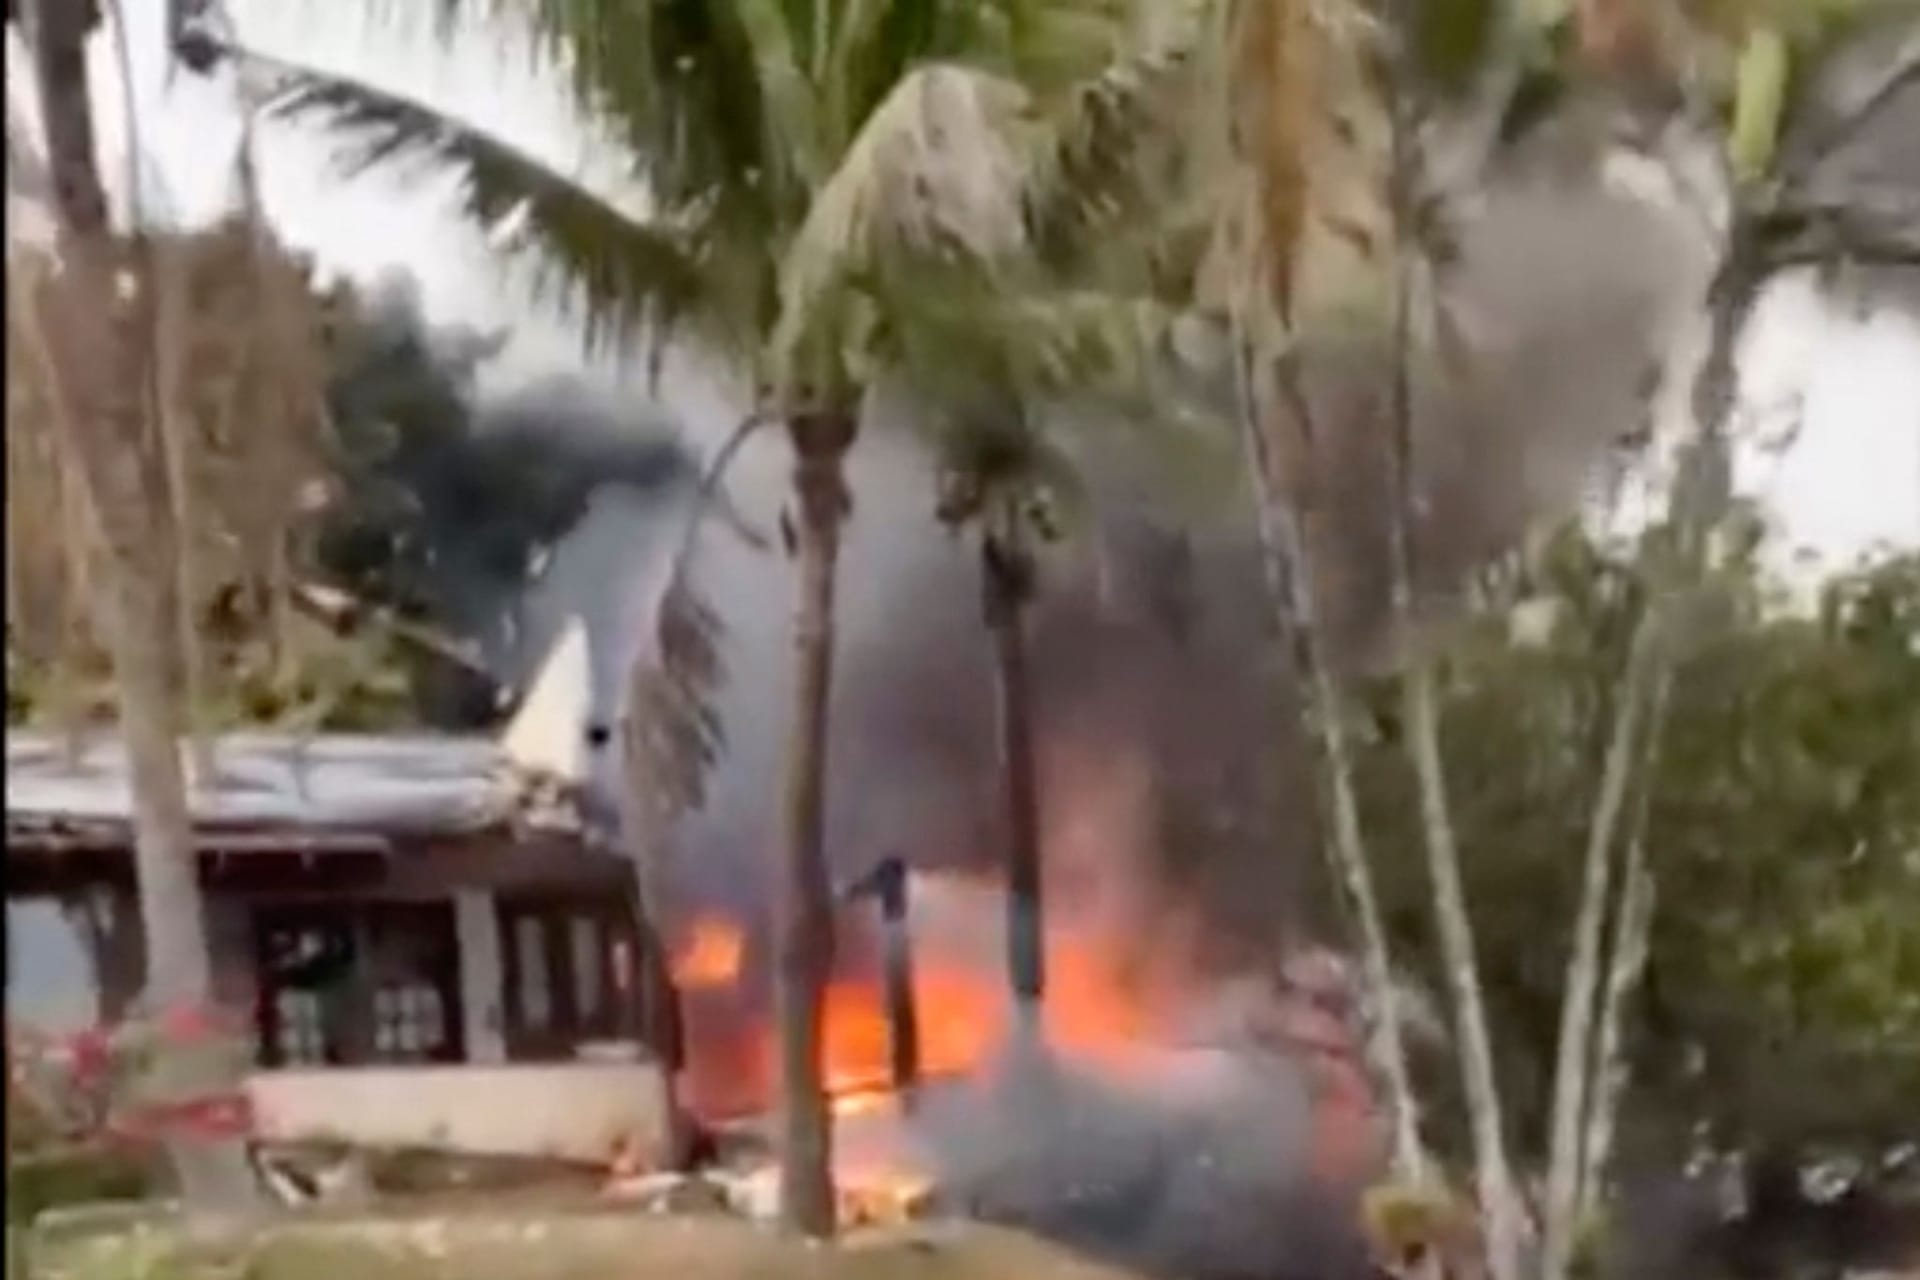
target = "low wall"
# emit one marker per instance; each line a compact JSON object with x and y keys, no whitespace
{"x":569,"y":1111}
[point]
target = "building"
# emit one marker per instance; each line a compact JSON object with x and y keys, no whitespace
{"x":428,"y":938}
{"x":372,"y":900}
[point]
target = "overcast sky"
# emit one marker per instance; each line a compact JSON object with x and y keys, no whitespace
{"x":1850,"y":478}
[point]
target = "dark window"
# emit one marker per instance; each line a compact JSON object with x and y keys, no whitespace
{"x":358,"y":982}
{"x":589,"y":961}
{"x":560,"y":983}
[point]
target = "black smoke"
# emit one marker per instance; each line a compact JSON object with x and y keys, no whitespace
{"x":477,"y":512}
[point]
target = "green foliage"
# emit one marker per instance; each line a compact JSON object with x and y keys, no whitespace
{"x":1781,"y":996}
{"x":1792,"y":850}
{"x":1452,"y":39}
{"x":796,"y":156}
{"x":623,"y":278}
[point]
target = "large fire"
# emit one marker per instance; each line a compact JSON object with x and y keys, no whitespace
{"x":1101,"y":1010}
{"x":1091,"y":1009}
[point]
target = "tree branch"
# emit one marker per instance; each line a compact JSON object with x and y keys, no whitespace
{"x":1803,"y":153}
{"x":1859,"y":229}
{"x":344,"y":614}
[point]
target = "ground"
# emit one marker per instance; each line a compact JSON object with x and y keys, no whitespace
{"x":542,"y":1245}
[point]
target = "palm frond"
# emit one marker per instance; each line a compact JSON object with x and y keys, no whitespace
{"x":790,"y":95}
{"x":673,"y":734}
{"x":680,"y":86}
{"x":933,"y":173}
{"x":627,"y":273}
{"x":951,"y":330}
{"x":1051,"y":46}
{"x":1120,"y":149}
{"x":1313,"y":136}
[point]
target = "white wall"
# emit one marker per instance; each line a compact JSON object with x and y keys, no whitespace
{"x":581,"y":1111}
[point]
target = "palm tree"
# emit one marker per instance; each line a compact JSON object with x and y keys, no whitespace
{"x":995,"y":481}
{"x":1399,"y":190}
{"x":93,"y":317}
{"x":1767,"y":149}
{"x":807,"y":168}
{"x":1290,"y":79}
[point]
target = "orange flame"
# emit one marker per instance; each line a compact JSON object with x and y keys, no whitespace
{"x":964,"y":1012}
{"x":963,"y":1017}
{"x":712,"y":955}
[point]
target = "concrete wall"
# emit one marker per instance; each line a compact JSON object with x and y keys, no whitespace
{"x":572,"y":1111}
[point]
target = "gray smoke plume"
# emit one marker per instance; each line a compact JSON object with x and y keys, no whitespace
{"x":1192,"y":1164}
{"x":1568,"y":291}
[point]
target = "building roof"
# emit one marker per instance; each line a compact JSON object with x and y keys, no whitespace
{"x":328,"y":783}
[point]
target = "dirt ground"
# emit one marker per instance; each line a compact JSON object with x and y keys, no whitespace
{"x":529,"y":1246}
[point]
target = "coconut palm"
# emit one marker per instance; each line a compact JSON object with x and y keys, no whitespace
{"x":1407,"y":112}
{"x":809,"y":172}
{"x":129,"y":441}
{"x":992,"y":483}
{"x":1774,"y":207}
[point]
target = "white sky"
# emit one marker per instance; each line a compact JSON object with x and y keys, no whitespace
{"x":1848,"y":482}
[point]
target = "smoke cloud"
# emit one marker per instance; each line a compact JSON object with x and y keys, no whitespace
{"x":1195,"y":1167}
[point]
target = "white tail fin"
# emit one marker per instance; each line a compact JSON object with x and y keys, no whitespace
{"x":548,"y":735}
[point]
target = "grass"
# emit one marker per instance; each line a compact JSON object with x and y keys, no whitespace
{"x":551,"y":1246}
{"x":75,"y":1174}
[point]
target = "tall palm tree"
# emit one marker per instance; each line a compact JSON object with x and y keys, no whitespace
{"x":1290,"y":80}
{"x":808,"y":169}
{"x":995,"y":481}
{"x":1399,"y":193}
{"x":95,"y":320}
{"x":1781,"y":121}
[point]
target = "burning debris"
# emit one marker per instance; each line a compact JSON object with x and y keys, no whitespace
{"x":958,"y":1017}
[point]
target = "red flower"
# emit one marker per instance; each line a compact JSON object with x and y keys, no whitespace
{"x":90,"y":1054}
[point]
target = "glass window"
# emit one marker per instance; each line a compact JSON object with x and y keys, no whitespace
{"x":301,"y":1032}
{"x":588,"y":959}
{"x":536,"y":984}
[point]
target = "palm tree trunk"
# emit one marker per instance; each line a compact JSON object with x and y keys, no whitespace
{"x":805,"y":935}
{"x":1290,"y":590}
{"x":1493,"y":1172}
{"x":98,"y":335}
{"x":1573,"y":1056}
{"x":1007,"y":573}
{"x":1627,"y":964}
{"x":1633,"y":928}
